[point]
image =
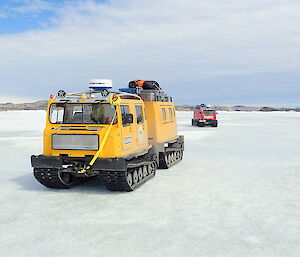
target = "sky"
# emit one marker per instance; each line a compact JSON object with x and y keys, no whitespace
{"x":200,"y":51}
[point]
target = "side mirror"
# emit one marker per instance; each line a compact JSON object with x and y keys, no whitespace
{"x":127,"y":118}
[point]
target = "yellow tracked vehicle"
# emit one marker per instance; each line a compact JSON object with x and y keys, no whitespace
{"x":122,"y":137}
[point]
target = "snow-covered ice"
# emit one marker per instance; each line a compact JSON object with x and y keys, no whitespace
{"x":235,"y":194}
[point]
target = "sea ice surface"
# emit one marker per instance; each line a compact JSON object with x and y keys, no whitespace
{"x":235,"y":194}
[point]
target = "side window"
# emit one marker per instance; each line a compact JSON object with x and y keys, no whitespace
{"x":125,"y":112}
{"x":139,"y":114}
{"x":56,"y":113}
{"x":171,"y":113}
{"x":163,"y":111}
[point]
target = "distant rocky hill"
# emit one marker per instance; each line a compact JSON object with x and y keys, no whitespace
{"x":41,"y":105}
{"x":236,"y":108}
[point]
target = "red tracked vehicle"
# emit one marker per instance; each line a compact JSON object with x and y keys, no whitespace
{"x":204,"y":116}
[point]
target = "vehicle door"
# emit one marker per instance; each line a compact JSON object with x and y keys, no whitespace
{"x":127,"y":127}
{"x":141,"y":137}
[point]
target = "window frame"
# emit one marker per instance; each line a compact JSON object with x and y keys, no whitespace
{"x":164,"y":113}
{"x":82,"y":124}
{"x":171,"y":114}
{"x":125,"y":105}
{"x":142,"y":114}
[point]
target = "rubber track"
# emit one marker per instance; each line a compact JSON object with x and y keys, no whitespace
{"x":50,"y":178}
{"x":162,"y":160}
{"x":116,"y":180}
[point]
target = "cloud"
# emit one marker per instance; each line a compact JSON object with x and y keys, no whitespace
{"x":34,"y":6}
{"x":3,"y":15}
{"x":171,"y":41}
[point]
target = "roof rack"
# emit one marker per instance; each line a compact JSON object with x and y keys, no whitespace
{"x":90,"y":95}
{"x":152,"y":93}
{"x":148,"y":95}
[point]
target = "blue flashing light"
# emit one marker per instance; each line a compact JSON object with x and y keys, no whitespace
{"x":128,"y":90}
{"x":200,"y":106}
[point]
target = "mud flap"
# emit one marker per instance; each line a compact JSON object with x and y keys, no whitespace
{"x":42,"y":161}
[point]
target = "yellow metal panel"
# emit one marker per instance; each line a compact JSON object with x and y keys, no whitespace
{"x":160,"y":130}
{"x":115,"y":141}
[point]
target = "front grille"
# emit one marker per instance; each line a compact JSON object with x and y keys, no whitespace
{"x":75,"y":142}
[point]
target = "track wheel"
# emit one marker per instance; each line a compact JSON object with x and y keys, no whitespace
{"x":166,"y":158}
{"x":145,"y":171}
{"x":149,"y":168}
{"x":173,"y":156}
{"x":140,"y":173}
{"x":129,"y":179}
{"x":170,"y":158}
{"x":180,"y":153}
{"x":135,"y":177}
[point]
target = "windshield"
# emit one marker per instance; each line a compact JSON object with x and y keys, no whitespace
{"x":82,"y":113}
{"x":209,"y":111}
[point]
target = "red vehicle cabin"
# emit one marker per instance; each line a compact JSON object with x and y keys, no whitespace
{"x":204,"y":116}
